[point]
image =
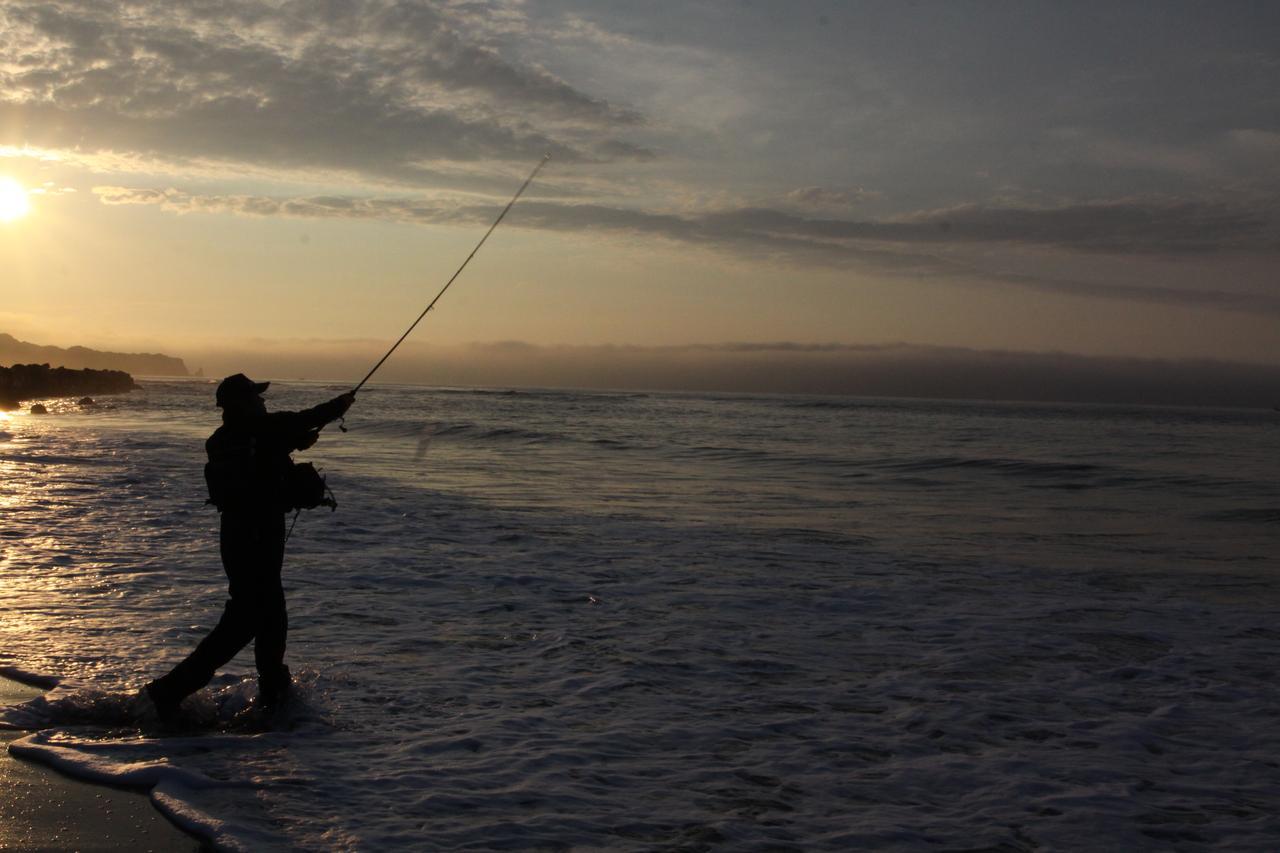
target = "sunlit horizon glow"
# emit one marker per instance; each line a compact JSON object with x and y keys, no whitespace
{"x":14,"y":201}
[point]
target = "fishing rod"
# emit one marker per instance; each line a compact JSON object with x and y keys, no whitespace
{"x":342,"y":420}
{"x":501,"y":215}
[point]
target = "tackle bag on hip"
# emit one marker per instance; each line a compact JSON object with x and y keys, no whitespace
{"x":305,"y":488}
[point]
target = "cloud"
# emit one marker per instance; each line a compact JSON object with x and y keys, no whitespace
{"x":1217,"y":300}
{"x":372,"y":87}
{"x":617,"y":149}
{"x":1126,"y":225}
{"x":1263,"y":142}
{"x":1171,"y":228}
{"x":420,"y":211}
{"x":890,"y":247}
{"x":828,"y":197}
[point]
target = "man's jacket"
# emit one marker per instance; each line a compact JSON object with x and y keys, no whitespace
{"x":249,"y":457}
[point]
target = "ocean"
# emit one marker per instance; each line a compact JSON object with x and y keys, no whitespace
{"x":567,"y":620}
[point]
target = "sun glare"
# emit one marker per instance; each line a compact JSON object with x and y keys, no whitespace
{"x":14,"y":203}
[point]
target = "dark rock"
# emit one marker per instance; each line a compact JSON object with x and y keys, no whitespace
{"x":88,"y":401}
{"x":39,"y":409}
{"x":28,"y":381}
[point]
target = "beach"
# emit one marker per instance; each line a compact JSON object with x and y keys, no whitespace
{"x":41,"y":809}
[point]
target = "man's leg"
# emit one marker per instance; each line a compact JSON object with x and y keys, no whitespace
{"x":237,"y":545}
{"x":232,"y":633}
{"x":269,"y":644}
{"x":272,"y":619}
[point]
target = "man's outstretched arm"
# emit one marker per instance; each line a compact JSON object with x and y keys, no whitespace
{"x":299,"y":430}
{"x":317,"y":416}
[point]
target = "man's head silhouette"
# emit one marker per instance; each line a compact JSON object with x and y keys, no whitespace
{"x":238,"y":388}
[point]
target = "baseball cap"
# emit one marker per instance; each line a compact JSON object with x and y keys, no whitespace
{"x":238,"y":387}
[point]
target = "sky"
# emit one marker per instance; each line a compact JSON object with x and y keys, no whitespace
{"x":233,"y":182}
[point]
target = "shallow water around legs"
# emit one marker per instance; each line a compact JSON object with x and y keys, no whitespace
{"x":555,"y":620}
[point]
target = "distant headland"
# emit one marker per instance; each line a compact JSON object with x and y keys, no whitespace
{"x":75,"y":371}
{"x":14,"y":351}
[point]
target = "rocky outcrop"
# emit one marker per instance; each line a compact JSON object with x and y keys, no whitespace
{"x":14,"y":351}
{"x":33,"y":381}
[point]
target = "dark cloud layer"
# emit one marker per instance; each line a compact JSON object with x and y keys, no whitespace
{"x":1126,"y":225}
{"x":895,"y":247}
{"x":1133,"y":226}
{"x":935,"y":102}
{"x":374,"y":87}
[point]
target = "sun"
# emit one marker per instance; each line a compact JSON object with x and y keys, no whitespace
{"x":14,"y":203}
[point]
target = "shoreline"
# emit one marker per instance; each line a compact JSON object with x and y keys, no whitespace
{"x":43,"y":809}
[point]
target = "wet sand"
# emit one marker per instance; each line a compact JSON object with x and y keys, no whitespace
{"x":40,"y":809}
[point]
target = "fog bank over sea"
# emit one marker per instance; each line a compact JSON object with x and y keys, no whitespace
{"x":879,"y":370}
{"x":781,"y":367}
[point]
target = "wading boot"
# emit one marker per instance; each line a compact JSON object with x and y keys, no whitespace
{"x":273,"y":691}
{"x":166,"y":706}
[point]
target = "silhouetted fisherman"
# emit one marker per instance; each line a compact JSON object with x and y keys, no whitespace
{"x":249,"y":481}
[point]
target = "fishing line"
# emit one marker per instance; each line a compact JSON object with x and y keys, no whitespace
{"x":289,"y":532}
{"x":501,"y":215}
